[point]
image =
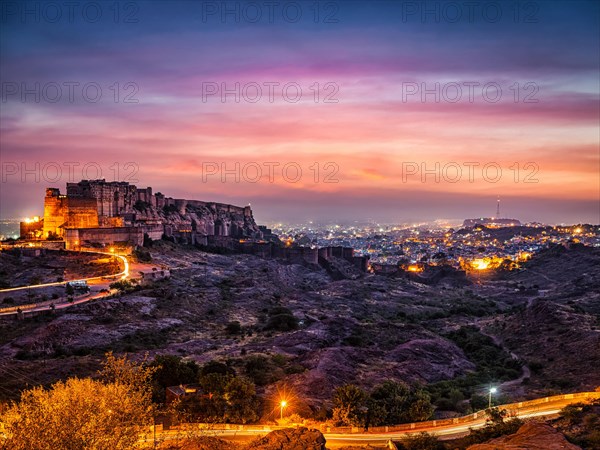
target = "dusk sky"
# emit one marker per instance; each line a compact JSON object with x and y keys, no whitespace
{"x":511,"y":108}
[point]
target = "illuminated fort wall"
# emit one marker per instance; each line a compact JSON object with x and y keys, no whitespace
{"x":108,"y":211}
{"x":89,"y":237}
{"x":62,"y":212}
{"x":112,"y":198}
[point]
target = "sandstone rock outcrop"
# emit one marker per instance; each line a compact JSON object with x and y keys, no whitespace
{"x":290,"y":439}
{"x":204,"y":443}
{"x":531,"y":436}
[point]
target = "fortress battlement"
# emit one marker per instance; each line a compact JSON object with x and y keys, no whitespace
{"x":101,"y":204}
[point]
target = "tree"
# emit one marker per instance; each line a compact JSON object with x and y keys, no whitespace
{"x":242,"y":401}
{"x":223,"y":397}
{"x":387,"y":403}
{"x":260,"y":369}
{"x":420,"y":406}
{"x":456,"y":397}
{"x":394,"y":402}
{"x":171,"y":370}
{"x":76,"y":414}
{"x":349,"y":405}
{"x":216,"y":367}
{"x":137,"y":376}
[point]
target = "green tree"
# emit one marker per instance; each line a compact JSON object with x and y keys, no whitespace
{"x":214,"y":383}
{"x":420,"y":406}
{"x":387,"y":403}
{"x":260,"y":369}
{"x":242,"y":401}
{"x":393,"y":402}
{"x":216,"y":367}
{"x":223,"y":398}
{"x":206,"y":406}
{"x":456,"y":397}
{"x":349,"y":406}
{"x":478,"y":402}
{"x":171,"y":370}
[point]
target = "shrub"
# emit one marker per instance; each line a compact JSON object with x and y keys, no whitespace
{"x":356,"y":339}
{"x":492,"y":362}
{"x":121,"y":285}
{"x":421,"y":441}
{"x":143,"y":255}
{"x":233,"y":327}
{"x":496,"y":426}
{"x":536,"y":366}
{"x":282,"y":322}
{"x":260,"y":370}
{"x":216,"y":367}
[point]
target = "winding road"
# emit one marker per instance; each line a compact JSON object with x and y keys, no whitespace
{"x":99,"y":287}
{"x":543,"y":408}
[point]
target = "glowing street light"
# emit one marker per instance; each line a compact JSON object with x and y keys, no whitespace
{"x":492,"y":391}
{"x":283,"y":404}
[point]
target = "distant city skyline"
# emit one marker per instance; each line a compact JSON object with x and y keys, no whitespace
{"x":299,"y":210}
{"x":505,"y":107}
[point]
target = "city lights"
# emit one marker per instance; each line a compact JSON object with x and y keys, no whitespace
{"x":480,"y":264}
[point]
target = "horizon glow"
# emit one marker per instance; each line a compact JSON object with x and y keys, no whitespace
{"x":374,"y":56}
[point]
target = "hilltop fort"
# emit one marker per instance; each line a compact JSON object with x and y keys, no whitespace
{"x":97,"y":212}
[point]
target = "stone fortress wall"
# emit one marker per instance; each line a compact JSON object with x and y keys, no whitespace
{"x":97,"y":213}
{"x":101,"y":212}
{"x":61,"y":212}
{"x":117,"y":198}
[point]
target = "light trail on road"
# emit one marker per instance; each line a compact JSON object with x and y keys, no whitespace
{"x":544,"y":407}
{"x":104,"y":282}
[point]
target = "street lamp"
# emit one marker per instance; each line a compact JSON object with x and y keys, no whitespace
{"x":492,"y":391}
{"x":283,"y":404}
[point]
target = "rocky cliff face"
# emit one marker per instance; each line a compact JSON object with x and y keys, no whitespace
{"x":204,"y":218}
{"x":140,"y":206}
{"x":531,"y":436}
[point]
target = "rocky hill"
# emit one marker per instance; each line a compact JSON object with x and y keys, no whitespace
{"x":557,"y":330}
{"x":311,"y":330}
